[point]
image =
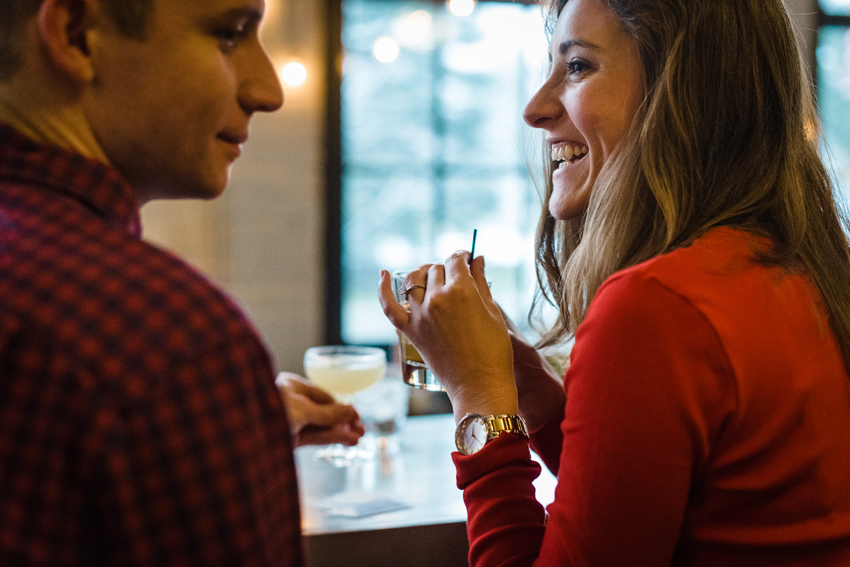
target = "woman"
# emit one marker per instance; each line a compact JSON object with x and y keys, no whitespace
{"x":692,"y":243}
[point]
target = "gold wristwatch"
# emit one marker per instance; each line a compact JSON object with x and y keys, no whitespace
{"x":474,"y":430}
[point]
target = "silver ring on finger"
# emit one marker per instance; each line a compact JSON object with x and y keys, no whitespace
{"x":407,"y":290}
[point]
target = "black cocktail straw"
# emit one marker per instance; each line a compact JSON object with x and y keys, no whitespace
{"x":472,"y":249}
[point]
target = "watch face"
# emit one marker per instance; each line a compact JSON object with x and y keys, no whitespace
{"x":472,"y":435}
{"x":475,"y":430}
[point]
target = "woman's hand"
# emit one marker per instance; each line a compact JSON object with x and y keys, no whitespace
{"x":459,"y":331}
{"x":315,"y":418}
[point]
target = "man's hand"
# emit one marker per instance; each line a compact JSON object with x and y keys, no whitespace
{"x":315,"y":418}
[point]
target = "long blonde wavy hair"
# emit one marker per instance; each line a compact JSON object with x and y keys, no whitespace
{"x":727,"y":135}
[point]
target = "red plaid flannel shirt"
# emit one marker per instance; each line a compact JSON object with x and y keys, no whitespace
{"x":139,"y":421}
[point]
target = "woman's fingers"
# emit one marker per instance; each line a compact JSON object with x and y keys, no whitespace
{"x":458,"y":268}
{"x":393,"y":310}
{"x":416,"y":284}
{"x":477,"y":270}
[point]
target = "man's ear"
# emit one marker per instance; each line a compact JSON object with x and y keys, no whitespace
{"x":66,"y":29}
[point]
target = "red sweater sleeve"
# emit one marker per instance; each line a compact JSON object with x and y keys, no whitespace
{"x":547,"y":442}
{"x":645,"y":385}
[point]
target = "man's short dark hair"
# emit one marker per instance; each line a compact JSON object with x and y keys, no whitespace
{"x":131,"y":17}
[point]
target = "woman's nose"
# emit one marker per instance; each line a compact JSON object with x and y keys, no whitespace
{"x":543,"y":107}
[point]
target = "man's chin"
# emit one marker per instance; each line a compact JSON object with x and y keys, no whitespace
{"x":203,"y":192}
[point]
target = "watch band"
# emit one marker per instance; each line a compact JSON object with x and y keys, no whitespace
{"x":509,"y":423}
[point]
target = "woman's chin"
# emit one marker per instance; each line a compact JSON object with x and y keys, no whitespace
{"x":568,"y":205}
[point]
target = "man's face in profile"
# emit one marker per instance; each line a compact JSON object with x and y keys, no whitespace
{"x":172,"y":110}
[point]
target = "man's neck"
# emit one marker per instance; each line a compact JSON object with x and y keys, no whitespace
{"x":62,"y":127}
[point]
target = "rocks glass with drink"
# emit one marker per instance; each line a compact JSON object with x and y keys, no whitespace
{"x":414,"y":371}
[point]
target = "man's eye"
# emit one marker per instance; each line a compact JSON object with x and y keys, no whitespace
{"x":231,"y":37}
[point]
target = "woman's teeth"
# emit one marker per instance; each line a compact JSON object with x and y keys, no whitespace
{"x":568,"y":154}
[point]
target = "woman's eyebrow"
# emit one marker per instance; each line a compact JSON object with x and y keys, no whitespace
{"x":565,"y":46}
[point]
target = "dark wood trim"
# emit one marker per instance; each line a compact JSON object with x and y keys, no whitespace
{"x":333,"y":175}
{"x":827,"y":20}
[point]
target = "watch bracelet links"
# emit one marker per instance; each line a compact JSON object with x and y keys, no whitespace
{"x":509,"y":423}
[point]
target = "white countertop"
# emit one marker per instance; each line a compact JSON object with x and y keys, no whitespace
{"x":421,"y":475}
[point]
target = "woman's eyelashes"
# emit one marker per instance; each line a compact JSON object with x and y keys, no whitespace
{"x":577,"y":67}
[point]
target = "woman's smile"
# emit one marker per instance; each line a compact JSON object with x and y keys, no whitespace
{"x":588,"y":102}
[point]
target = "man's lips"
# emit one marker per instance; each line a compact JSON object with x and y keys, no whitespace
{"x":235,"y":142}
{"x":235,"y":139}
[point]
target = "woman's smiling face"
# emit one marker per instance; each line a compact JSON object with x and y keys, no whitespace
{"x":588,"y":102}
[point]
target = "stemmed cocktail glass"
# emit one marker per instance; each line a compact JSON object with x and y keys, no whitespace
{"x":343,"y":371}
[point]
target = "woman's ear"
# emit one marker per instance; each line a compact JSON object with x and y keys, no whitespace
{"x":66,"y":30}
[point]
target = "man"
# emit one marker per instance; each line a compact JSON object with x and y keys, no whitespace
{"x":139,"y":420}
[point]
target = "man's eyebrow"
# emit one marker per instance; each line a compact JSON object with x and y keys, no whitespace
{"x":253,"y":15}
{"x":566,"y":45}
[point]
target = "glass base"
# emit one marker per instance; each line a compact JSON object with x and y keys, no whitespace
{"x":417,"y":375}
{"x":337,"y":455}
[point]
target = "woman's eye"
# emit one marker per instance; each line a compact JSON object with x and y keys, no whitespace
{"x":576,"y":67}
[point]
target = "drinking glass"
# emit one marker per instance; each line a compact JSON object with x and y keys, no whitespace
{"x":343,"y":371}
{"x":414,"y":371}
{"x":383,"y":409}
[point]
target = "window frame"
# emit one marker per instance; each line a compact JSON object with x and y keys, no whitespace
{"x":333,"y":245}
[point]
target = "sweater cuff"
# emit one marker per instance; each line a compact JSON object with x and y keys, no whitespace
{"x":496,"y":454}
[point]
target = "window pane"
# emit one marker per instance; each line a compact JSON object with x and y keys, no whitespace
{"x":835,"y":7}
{"x":833,"y":56}
{"x":383,"y":103}
{"x":433,"y":146}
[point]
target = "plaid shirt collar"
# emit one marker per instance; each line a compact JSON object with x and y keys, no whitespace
{"x":97,"y":185}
